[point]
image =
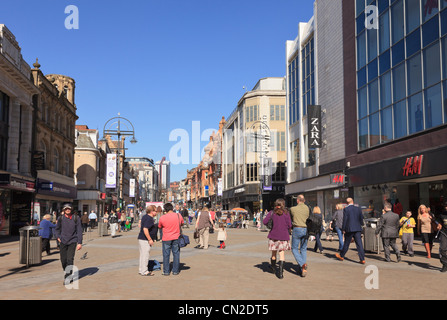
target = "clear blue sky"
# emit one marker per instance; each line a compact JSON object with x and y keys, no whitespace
{"x":161,"y":63}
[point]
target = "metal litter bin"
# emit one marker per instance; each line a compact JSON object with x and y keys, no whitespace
{"x":30,"y":246}
{"x":103,"y":229}
{"x":371,"y":241}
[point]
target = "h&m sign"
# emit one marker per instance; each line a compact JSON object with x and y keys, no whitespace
{"x":314,"y":127}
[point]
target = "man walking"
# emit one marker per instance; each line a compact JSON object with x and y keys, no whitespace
{"x":352,"y":228}
{"x":92,"y":217}
{"x":299,"y":215}
{"x":170,"y":224}
{"x":442,"y":230}
{"x":68,"y":233}
{"x":185,"y":215}
{"x":389,"y":228}
{"x":113,"y":220}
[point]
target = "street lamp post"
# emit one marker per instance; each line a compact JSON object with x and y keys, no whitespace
{"x":119,"y":127}
{"x":262,"y":133}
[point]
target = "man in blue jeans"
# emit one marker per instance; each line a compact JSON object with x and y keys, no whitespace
{"x":299,"y":215}
{"x":170,"y":223}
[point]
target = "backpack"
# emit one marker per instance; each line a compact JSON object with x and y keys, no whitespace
{"x":314,"y":224}
{"x":75,"y":218}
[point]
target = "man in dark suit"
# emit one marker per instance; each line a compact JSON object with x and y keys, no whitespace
{"x":352,"y":228}
{"x":389,"y":228}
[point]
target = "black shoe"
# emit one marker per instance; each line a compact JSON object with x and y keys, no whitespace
{"x":444,"y":268}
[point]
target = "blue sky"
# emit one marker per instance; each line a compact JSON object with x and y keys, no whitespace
{"x":162,"y":64}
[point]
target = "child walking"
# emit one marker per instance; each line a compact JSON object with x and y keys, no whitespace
{"x":222,"y":235}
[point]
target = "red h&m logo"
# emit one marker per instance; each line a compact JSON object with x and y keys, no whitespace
{"x":413,"y":166}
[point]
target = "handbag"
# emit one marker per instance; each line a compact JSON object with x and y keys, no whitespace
{"x":269,"y":224}
{"x":196,"y":234}
{"x":183,"y":239}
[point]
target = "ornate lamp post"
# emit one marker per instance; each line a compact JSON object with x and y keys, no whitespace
{"x":119,"y":127}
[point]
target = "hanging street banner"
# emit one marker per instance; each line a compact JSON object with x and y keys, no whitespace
{"x":266,"y":167}
{"x":314,"y":127}
{"x":111,"y":171}
{"x":132,"y":188}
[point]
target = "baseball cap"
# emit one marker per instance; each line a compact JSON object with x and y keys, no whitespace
{"x":67,"y":206}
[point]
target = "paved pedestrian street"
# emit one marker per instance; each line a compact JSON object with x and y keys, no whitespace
{"x":239,"y":272}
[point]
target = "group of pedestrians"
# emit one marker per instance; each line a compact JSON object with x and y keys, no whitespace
{"x":170,"y":223}
{"x":289,"y":231}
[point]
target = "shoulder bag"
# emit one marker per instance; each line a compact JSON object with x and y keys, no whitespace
{"x":183,"y":240}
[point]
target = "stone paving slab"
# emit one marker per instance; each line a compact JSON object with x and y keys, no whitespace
{"x":239,"y":272}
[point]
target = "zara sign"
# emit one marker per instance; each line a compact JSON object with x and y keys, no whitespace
{"x":314,"y":126}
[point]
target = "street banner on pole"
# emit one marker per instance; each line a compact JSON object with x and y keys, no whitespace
{"x":132,"y":188}
{"x":111,"y":171}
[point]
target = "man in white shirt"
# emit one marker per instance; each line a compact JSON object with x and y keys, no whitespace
{"x":93,"y":218}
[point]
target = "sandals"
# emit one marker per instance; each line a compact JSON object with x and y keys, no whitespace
{"x":148,"y":274}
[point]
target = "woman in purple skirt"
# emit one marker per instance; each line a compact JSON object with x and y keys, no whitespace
{"x":279,"y":235}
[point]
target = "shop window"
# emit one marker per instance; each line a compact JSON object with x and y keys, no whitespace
{"x":386,"y":124}
{"x":372,"y":44}
{"x":397,"y":21}
{"x":432,"y":67}
{"x":296,"y":155}
{"x":398,"y":52}
{"x":384,"y":62}
{"x":384,"y":31}
{"x":400,"y":119}
{"x":361,"y":77}
{"x":444,"y":57}
{"x":415,"y":114}
{"x":412,"y":14}
{"x":413,"y":43}
{"x":399,"y":83}
{"x":361,"y":50}
{"x":433,"y":107}
{"x":429,"y":9}
{"x":362,"y":103}
{"x":414,"y":74}
{"x":363,"y":134}
{"x":373,"y":96}
{"x":385,"y":90}
{"x":372,"y":70}
{"x":374,"y":128}
{"x":430,"y":31}
{"x":360,"y":6}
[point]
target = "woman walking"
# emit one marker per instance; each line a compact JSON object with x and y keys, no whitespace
{"x":318,"y":245}
{"x":203,"y":224}
{"x":337,"y":223}
{"x":279,"y":235}
{"x":425,"y":228}
{"x":46,"y":232}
